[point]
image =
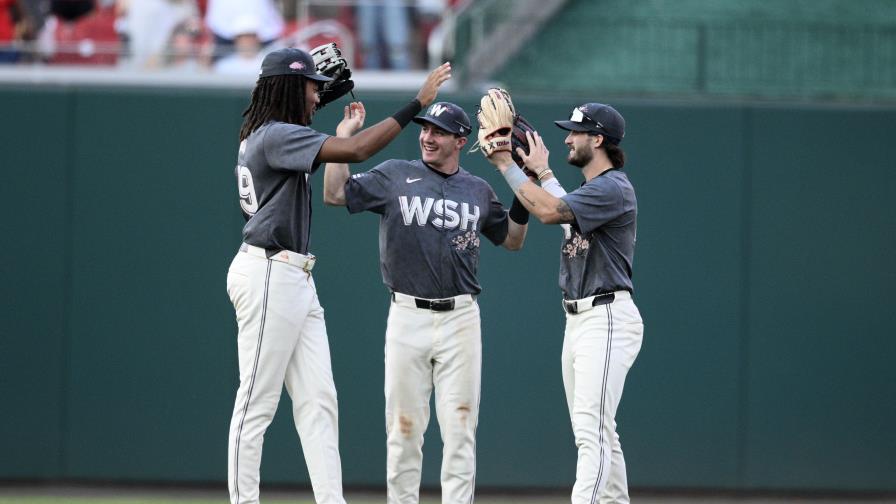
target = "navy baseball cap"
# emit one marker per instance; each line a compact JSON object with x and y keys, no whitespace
{"x":596,"y":118}
{"x":447,"y":116}
{"x":290,"y":61}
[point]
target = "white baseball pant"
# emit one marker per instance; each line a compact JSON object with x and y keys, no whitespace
{"x":599,"y":346}
{"x":282,"y":340}
{"x":426,"y":348}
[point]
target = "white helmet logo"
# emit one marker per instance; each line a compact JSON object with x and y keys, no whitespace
{"x":577,"y":115}
{"x":436,"y":110}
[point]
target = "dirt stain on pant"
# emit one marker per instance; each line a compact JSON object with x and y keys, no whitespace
{"x":463,"y":411}
{"x":405,"y":424}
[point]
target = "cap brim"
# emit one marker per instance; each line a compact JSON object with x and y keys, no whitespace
{"x":424,"y":120}
{"x":319,"y":78}
{"x":571,"y":126}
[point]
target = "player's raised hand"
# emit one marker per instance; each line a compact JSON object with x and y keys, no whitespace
{"x":537,"y":159}
{"x":430,"y":88}
{"x":352,"y":121}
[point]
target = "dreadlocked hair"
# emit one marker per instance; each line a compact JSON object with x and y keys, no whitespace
{"x":276,"y":98}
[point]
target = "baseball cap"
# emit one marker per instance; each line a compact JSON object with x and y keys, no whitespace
{"x":596,"y":118}
{"x":290,"y":61}
{"x":447,"y":116}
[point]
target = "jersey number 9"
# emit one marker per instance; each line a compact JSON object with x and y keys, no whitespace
{"x":248,"y":201}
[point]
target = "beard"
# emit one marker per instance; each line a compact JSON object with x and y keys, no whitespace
{"x":580,"y":157}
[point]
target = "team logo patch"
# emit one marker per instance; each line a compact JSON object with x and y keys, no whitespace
{"x":466,"y":241}
{"x":576,"y":245}
{"x":437,"y":109}
{"x":297,"y":65}
{"x":358,"y":175}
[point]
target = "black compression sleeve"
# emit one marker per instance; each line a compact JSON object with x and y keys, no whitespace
{"x":518,"y":212}
{"x":406,"y":113}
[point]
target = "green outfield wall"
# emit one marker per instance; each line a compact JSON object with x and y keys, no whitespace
{"x":763,"y":271}
{"x":818,"y":50}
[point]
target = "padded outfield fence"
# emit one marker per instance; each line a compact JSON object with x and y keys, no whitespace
{"x":771,"y":60}
{"x":804,"y":50}
{"x":763,"y":272}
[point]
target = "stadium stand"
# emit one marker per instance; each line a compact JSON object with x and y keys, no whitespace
{"x":754,"y":49}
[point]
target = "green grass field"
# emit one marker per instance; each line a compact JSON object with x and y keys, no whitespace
{"x":76,"y":495}
{"x":149,"y":500}
{"x":275,"y":500}
{"x":112,"y":500}
{"x":159,"y":500}
{"x":279,"y":498}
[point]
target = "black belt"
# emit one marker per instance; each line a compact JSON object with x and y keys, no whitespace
{"x":439,"y":305}
{"x":435,"y":304}
{"x":601,"y":299}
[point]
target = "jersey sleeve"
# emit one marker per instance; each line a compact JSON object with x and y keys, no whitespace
{"x":291,"y":147}
{"x":495,"y":226}
{"x":368,"y":190}
{"x":595,"y":203}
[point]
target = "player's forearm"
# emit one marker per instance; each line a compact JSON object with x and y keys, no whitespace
{"x":546,"y":207}
{"x":516,"y":235}
{"x":543,"y":205}
{"x":367,"y":142}
{"x":335,"y":176}
{"x":375,"y":138}
{"x":552,"y":186}
{"x":361,"y":146}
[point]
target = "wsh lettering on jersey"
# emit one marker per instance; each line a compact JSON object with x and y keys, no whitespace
{"x":445,"y":211}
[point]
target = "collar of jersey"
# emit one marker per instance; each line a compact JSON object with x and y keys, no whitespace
{"x":437,"y":172}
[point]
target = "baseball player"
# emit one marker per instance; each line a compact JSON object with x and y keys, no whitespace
{"x":603,"y":326}
{"x":282,"y":336}
{"x":432,"y":213}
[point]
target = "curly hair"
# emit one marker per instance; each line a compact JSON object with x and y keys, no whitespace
{"x":275,"y":98}
{"x":615,"y":154}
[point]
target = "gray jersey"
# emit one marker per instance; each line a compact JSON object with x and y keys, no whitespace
{"x":598,"y":257}
{"x":430,"y":225}
{"x":274,"y":166}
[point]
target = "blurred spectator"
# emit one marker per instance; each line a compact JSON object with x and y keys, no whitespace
{"x":433,"y":19}
{"x":384,"y":29}
{"x":148,"y":27}
{"x":8,"y":53}
{"x":247,"y":56}
{"x":34,"y":12}
{"x":15,"y":26}
{"x":74,"y":35}
{"x":182,"y":53}
{"x":71,"y":10}
{"x":223,"y":18}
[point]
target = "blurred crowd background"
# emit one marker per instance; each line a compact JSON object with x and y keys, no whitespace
{"x":805,"y":50}
{"x":223,"y":36}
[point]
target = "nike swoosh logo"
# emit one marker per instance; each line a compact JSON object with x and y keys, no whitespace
{"x":410,"y":180}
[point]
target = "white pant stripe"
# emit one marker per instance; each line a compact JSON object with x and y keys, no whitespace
{"x":236,"y":457}
{"x":603,"y":396}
